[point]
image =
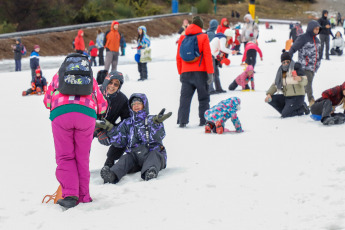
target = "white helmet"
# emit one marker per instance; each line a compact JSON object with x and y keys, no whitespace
{"x":229,"y":33}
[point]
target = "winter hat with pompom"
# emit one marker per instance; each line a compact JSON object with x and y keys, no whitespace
{"x":285,"y":56}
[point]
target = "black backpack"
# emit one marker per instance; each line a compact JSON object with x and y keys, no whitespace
{"x":75,"y":75}
{"x":101,"y":76}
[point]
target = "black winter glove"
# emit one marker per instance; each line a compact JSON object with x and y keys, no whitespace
{"x":161,"y":117}
{"x":104,"y":124}
{"x":103,"y":138}
{"x":97,"y":130}
{"x":209,"y":78}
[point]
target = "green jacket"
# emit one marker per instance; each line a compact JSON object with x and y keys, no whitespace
{"x":291,"y":87}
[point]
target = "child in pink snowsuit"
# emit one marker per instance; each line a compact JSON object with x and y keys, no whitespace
{"x":73,"y":123}
{"x":243,"y":79}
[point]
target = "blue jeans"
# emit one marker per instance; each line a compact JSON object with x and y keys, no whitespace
{"x":18,"y":65}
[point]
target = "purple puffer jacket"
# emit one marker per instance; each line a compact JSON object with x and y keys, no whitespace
{"x":131,"y":131}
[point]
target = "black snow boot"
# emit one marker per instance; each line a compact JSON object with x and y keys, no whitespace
{"x":151,"y":173}
{"x":68,"y":202}
{"x":306,"y":108}
{"x":339,"y":119}
{"x":107,"y":175}
{"x":328,"y":121}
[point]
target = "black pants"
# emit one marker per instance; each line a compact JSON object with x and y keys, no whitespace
{"x":113,"y":154}
{"x":93,"y":60}
{"x":322,"y":107}
{"x":234,"y":85}
{"x":142,"y":68}
{"x":336,"y":51}
{"x":324,"y":39}
{"x":192,"y":81}
{"x":132,"y":162}
{"x":79,"y":51}
{"x":251,"y":57}
{"x":101,"y":56}
{"x":288,"y":106}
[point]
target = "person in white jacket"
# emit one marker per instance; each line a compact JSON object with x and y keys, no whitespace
{"x":219,"y":50}
{"x":250,"y":30}
{"x":337,"y":45}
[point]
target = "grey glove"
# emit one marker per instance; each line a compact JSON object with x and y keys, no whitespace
{"x":209,"y":78}
{"x":104,"y":124}
{"x":161,"y":117}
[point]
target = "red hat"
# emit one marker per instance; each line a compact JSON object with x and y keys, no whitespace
{"x":36,"y":47}
{"x":38,"y":71}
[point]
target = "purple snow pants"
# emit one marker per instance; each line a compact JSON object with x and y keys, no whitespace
{"x":73,"y":133}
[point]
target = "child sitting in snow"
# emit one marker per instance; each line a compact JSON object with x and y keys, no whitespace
{"x":220,"y":113}
{"x":38,"y":84}
{"x":243,"y":79}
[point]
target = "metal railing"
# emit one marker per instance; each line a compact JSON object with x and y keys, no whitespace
{"x":85,"y":25}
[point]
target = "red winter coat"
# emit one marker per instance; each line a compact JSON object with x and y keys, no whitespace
{"x":79,"y":41}
{"x":93,"y":49}
{"x":204,"y":48}
{"x":335,"y":94}
{"x":221,"y":28}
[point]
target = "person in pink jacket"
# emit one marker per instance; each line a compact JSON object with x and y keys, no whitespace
{"x":243,"y":79}
{"x":73,"y":123}
{"x":249,"y":55}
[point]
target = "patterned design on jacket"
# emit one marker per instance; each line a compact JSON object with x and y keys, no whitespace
{"x":334,"y":94}
{"x":308,"y":47}
{"x":243,"y":78}
{"x":145,"y":41}
{"x":53,"y":98}
{"x":223,"y":111}
{"x":131,"y":132}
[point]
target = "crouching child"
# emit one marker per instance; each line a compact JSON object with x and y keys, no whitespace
{"x":243,"y":79}
{"x":220,"y":113}
{"x":142,"y":136}
{"x":38,"y":85}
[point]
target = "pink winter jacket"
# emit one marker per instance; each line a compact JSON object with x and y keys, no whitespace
{"x":243,"y":78}
{"x":53,"y":98}
{"x":251,"y":46}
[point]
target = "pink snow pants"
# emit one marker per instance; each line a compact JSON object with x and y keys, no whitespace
{"x":73,"y":133}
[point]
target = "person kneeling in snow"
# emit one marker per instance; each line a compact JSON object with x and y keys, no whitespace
{"x":325,"y":106}
{"x":38,"y":84}
{"x":290,"y":79}
{"x":243,"y":79}
{"x":142,"y":136}
{"x":220,"y":113}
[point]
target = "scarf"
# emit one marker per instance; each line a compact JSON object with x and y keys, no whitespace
{"x":279,"y":77}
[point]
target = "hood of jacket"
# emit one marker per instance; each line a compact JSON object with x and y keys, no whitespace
{"x":142,"y":113}
{"x":80,"y":32}
{"x":310,"y":28}
{"x":112,"y":25}
{"x":323,"y":14}
{"x":108,"y":79}
{"x":222,"y":22}
{"x":249,"y":16}
{"x":193,"y":29}
{"x":213,"y":25}
{"x":91,"y":43}
{"x":233,"y":103}
{"x":143,"y":28}
{"x":249,"y":68}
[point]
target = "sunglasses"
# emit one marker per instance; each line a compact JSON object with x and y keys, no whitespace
{"x":285,"y":62}
{"x":114,"y":84}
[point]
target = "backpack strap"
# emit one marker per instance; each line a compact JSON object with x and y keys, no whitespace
{"x":147,"y":132}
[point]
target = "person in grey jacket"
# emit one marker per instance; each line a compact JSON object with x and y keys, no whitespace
{"x":17,"y":49}
{"x":308,"y":47}
{"x":325,"y":31}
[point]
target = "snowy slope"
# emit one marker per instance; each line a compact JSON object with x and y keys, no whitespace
{"x":280,"y":174}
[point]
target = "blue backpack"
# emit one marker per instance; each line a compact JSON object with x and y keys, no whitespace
{"x":189,"y":49}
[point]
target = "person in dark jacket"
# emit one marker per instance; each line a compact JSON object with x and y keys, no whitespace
{"x":34,"y":61}
{"x":308,"y":47}
{"x":17,"y":49}
{"x":142,"y":135}
{"x":211,"y":31}
{"x":184,"y":26}
{"x":325,"y":31}
{"x":38,"y":84}
{"x":117,"y":108}
{"x":195,"y":75}
{"x":325,"y":106}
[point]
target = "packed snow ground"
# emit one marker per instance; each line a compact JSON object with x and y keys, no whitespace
{"x":280,"y":174}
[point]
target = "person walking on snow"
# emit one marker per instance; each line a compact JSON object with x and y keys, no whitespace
{"x":73,"y":123}
{"x":79,"y":43}
{"x":112,"y":46}
{"x":195,"y":75}
{"x":308,"y":47}
{"x":143,"y":42}
{"x":325,"y":31}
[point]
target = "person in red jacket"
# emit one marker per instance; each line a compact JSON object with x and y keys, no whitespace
{"x":93,"y":50}
{"x":325,"y":106}
{"x":112,"y":45}
{"x":195,"y":75}
{"x":79,"y":43}
{"x":249,"y":55}
{"x":224,"y":24}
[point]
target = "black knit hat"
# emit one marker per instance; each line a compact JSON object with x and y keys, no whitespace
{"x":198,"y":21}
{"x":285,"y":56}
